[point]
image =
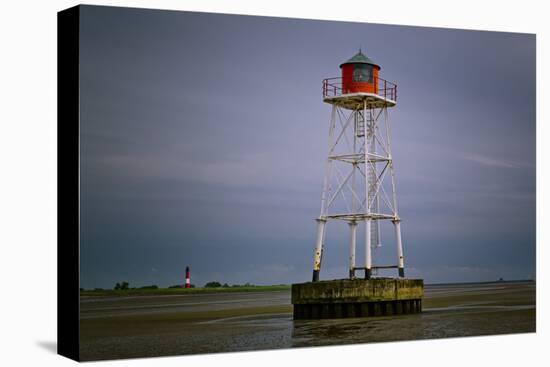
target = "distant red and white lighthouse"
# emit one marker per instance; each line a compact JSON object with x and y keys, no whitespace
{"x":187,"y":278}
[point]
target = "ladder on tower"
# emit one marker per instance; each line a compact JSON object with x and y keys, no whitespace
{"x":369,"y":128}
{"x":375,"y":227}
{"x":359,"y":124}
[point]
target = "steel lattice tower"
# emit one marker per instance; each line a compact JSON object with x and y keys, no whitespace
{"x":359,"y":183}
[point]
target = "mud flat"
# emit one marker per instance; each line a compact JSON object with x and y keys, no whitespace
{"x":145,"y":326}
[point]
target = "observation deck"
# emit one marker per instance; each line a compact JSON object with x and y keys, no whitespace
{"x":377,"y":92}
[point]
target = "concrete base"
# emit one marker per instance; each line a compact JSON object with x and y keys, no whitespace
{"x":331,"y":299}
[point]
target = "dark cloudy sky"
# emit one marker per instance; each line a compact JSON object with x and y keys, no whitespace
{"x":203,"y":140}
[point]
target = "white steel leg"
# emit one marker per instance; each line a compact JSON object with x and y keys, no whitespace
{"x":368,"y":255}
{"x":352,"y":240}
{"x":318,"y":254}
{"x":400,"y":260}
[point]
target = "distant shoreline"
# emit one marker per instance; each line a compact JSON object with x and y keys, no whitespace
{"x":179,"y":291}
{"x":258,"y":288}
{"x":486,"y":282}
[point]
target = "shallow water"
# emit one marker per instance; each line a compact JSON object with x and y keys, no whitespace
{"x":210,"y":323}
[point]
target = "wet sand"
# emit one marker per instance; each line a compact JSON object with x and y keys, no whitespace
{"x":147,"y":326}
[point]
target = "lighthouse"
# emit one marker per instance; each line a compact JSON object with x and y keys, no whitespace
{"x":359,"y":189}
{"x":359,"y":183}
{"x":187,"y":278}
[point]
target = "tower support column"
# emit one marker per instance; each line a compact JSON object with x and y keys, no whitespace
{"x":368,"y":254}
{"x":318,"y":253}
{"x":352,"y":241}
{"x":400,"y":260}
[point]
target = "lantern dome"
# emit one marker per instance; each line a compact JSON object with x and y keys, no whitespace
{"x":360,"y":58}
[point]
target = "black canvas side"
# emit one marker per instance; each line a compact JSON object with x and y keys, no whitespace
{"x":68,"y":216}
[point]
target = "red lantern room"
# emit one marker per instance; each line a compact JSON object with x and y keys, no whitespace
{"x":359,"y":79}
{"x":359,"y":75}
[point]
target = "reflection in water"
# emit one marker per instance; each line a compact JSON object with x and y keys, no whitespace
{"x":430,"y":324}
{"x":280,"y":331}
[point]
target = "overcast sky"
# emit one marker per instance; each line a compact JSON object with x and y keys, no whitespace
{"x":203,"y":141}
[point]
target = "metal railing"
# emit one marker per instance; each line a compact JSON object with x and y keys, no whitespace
{"x":332,"y":87}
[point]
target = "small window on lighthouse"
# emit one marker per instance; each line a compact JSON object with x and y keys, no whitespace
{"x":362,"y":73}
